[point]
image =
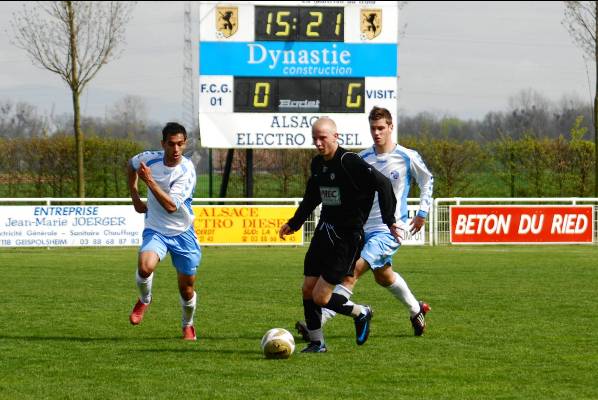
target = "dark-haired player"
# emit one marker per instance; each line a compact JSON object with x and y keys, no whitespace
{"x":170,"y":179}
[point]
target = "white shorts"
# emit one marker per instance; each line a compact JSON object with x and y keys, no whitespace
{"x":379,"y":248}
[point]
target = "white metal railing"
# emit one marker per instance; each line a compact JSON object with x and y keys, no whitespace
{"x":308,"y":227}
{"x":441,"y":228}
{"x":438,"y":226}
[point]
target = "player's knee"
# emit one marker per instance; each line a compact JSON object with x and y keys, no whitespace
{"x":145,"y":270}
{"x":384,"y":276}
{"x":147,"y":263}
{"x":349,"y":282}
{"x":186,"y":292}
{"x":321,"y":299}
{"x":308,"y":287}
{"x":307,"y":290}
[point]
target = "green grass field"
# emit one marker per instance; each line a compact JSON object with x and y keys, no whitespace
{"x":506,"y":323}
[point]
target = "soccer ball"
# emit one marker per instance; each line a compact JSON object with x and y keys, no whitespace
{"x":278,"y":343}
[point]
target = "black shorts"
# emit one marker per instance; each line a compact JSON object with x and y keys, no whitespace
{"x":332,"y":253}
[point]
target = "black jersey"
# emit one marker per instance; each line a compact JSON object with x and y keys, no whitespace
{"x":345,"y":185}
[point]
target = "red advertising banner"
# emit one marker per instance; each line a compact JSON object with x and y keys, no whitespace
{"x":521,"y":224}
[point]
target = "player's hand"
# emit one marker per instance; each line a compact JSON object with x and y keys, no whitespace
{"x":397,"y":232}
{"x":140,"y":207}
{"x":284,"y":231}
{"x":144,"y":172}
{"x":416,"y":224}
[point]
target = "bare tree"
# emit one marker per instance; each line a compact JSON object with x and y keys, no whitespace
{"x":72,"y":39}
{"x":580,"y":21}
{"x":127,"y":117}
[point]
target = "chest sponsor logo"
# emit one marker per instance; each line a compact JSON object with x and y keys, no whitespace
{"x":331,"y":196}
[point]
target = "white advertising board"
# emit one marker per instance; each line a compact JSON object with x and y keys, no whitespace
{"x":72,"y":225}
{"x":419,"y":239}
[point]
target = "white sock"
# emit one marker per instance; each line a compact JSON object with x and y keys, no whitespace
{"x":316,"y":335}
{"x":188,"y":309}
{"x":329,"y":314}
{"x":145,"y":287}
{"x":358,"y":309}
{"x":401,"y":291}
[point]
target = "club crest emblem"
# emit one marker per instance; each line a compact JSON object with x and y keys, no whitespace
{"x":332,"y":176}
{"x":394,"y":175}
{"x":371,"y":23}
{"x":227,"y":21}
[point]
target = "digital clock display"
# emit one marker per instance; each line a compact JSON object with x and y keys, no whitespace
{"x":299,"y":24}
{"x":299,"y":95}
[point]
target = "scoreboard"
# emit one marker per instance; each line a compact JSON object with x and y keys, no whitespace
{"x":268,"y":70}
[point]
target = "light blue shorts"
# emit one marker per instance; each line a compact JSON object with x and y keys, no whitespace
{"x":184,"y":249}
{"x":379,"y":248}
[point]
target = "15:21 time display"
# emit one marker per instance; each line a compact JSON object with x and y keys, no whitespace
{"x":299,"y":24}
{"x":299,"y":95}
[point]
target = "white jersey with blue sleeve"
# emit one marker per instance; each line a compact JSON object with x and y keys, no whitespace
{"x":179,"y":183}
{"x":399,"y":166}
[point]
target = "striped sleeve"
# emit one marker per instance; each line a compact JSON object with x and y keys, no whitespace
{"x":182,"y":188}
{"x":424,"y":180}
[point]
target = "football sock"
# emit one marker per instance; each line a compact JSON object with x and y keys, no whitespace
{"x":316,"y":336}
{"x":188,"y":309}
{"x":328,"y":314}
{"x":401,"y":291}
{"x":145,"y":287}
{"x":313,"y":314}
{"x":338,"y":303}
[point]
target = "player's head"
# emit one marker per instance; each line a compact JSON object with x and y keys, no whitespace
{"x":380,"y":113}
{"x":172,"y":128}
{"x":325,"y":137}
{"x":381,"y":126}
{"x":174,"y":141}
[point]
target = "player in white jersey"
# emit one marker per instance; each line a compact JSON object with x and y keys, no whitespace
{"x":170,"y":179}
{"x":400,"y":165}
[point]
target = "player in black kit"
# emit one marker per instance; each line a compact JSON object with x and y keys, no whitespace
{"x":345,"y":185}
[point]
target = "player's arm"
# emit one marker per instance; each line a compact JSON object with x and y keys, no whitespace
{"x":145,"y":174}
{"x":181,"y":189}
{"x":132,"y":181}
{"x":310,"y":201}
{"x":425,"y":181}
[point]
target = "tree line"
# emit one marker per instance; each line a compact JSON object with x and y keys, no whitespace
{"x":534,"y":148}
{"x":524,"y":167}
{"x":45,"y":166}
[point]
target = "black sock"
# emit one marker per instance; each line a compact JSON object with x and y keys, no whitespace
{"x":313,"y":314}
{"x":337,"y":304}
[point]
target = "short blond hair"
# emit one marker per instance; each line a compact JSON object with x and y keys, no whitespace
{"x":325,"y":121}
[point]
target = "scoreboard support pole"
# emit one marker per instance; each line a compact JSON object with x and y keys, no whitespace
{"x":227,"y":167}
{"x":210,"y":174}
{"x":249,"y":173}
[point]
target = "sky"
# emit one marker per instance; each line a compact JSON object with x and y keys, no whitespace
{"x":461,"y":59}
